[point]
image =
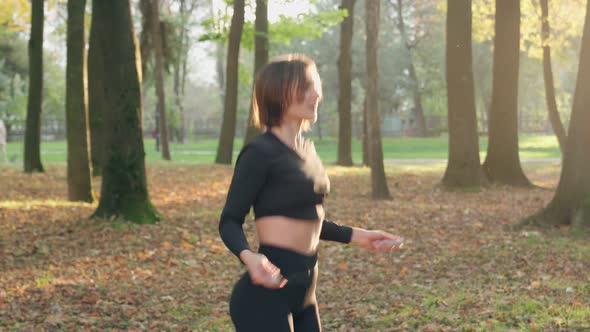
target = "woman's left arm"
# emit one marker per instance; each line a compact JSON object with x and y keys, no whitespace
{"x":376,"y":240}
{"x":332,"y":231}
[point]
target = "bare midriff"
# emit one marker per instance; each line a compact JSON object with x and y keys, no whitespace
{"x":301,"y":236}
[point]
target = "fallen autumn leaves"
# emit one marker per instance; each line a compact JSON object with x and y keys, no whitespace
{"x":461,"y":267}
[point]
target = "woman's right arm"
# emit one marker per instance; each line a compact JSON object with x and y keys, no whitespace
{"x":249,"y":176}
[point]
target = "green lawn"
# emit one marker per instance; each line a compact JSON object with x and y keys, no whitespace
{"x":203,"y":151}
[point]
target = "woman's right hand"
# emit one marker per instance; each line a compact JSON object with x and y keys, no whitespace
{"x":262,"y":272}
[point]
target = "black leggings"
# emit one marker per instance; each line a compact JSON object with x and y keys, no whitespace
{"x":254,"y":308}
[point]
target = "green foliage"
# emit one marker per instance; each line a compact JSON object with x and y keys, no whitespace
{"x":483,"y":13}
{"x":565,"y":18}
{"x":305,"y":26}
{"x":13,"y":51}
{"x":216,"y":27}
{"x":54,"y":89}
{"x":174,"y":47}
{"x":173,"y":116}
{"x":13,"y":71}
{"x":309,"y":26}
{"x":15,"y":16}
{"x":245,"y":76}
{"x":13,"y":108}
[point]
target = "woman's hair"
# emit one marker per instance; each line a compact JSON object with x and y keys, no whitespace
{"x":278,"y":84}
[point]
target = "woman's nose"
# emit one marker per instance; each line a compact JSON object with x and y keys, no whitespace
{"x":315,"y":94}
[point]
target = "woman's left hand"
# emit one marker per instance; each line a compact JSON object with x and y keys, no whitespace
{"x":376,"y":240}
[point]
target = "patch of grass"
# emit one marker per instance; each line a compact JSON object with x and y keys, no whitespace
{"x":181,"y":312}
{"x":338,"y":171}
{"x":466,"y":190}
{"x":532,"y":314}
{"x":15,"y":327}
{"x":417,"y":168}
{"x":34,"y":203}
{"x":521,"y":313}
{"x":203,"y":318}
{"x":409,"y":317}
{"x":431,"y":301}
{"x":207,"y":214}
{"x":44,"y":280}
{"x":194,"y":239}
{"x":203,"y":151}
{"x":460,"y":310}
{"x":535,"y":239}
{"x":568,"y":287}
{"x":121,"y":224}
{"x":577,"y":316}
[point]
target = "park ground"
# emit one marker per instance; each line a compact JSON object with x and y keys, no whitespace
{"x":462,"y":268}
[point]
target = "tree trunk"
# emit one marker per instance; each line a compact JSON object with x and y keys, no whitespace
{"x":571,"y":203}
{"x":32,"y":154}
{"x":180,"y":69}
{"x":220,"y":71}
{"x":186,"y":49}
{"x":378,"y":179}
{"x":145,"y":38}
{"x":260,"y":57}
{"x":179,"y":78}
{"x":177,"y":74}
{"x":485,"y":115}
{"x":344,"y":87}
{"x":463,"y":168}
{"x":228,"y":126}
{"x":178,"y":101}
{"x":96,"y":97}
{"x":365,"y":134}
{"x":157,"y":125}
{"x":186,"y":46}
{"x":159,"y":75}
{"x":12,"y":92}
{"x":184,"y":64}
{"x":146,"y":48}
{"x":79,"y":168}
{"x":219,"y":57}
{"x":124,"y":186}
{"x":421,"y":130}
{"x":502,"y":164}
{"x":549,"y":85}
{"x":484,"y":102}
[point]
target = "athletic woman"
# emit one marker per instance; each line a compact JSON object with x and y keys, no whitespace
{"x":280,"y":175}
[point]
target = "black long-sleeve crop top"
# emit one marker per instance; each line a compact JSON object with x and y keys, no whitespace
{"x":276,"y":180}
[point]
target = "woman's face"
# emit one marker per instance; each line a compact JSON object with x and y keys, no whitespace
{"x":307,"y":108}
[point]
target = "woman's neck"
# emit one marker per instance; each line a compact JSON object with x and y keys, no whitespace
{"x":289,"y":133}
